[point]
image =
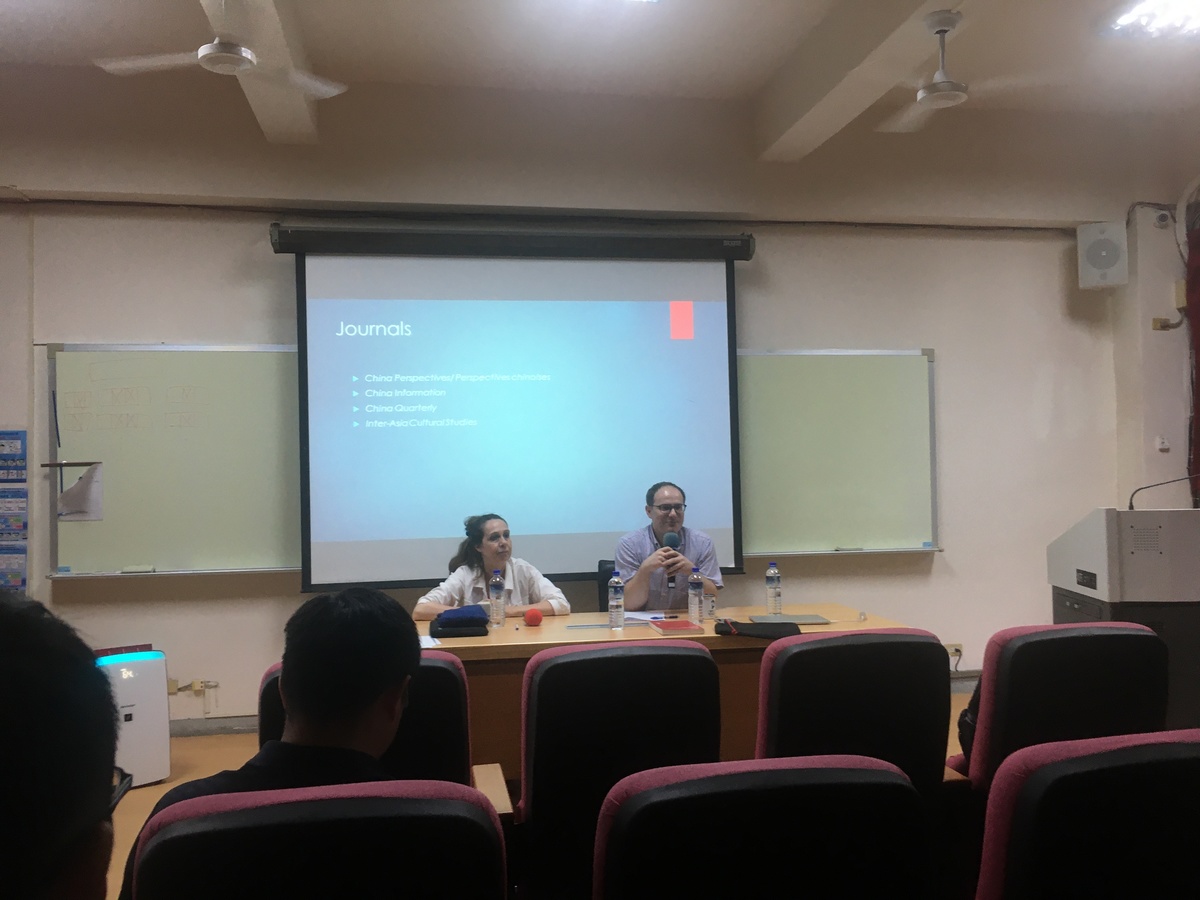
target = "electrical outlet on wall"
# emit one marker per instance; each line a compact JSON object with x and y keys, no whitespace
{"x":955,"y":650}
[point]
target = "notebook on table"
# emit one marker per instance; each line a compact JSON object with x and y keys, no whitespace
{"x":676,"y":626}
{"x":801,"y":619}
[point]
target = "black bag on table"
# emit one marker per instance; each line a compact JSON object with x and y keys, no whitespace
{"x":769,"y":630}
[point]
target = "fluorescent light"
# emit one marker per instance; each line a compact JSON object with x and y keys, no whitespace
{"x":1161,"y":18}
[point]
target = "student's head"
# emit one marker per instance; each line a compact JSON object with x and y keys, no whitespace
{"x":487,"y":546}
{"x":56,"y":758}
{"x":665,"y":503}
{"x":347,"y":661}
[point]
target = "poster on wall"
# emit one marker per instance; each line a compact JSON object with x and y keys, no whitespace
{"x":13,"y":565}
{"x":13,"y":462}
{"x":14,"y":513}
{"x":14,"y":510}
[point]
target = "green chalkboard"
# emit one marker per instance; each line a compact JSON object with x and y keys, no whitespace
{"x":837,"y":451}
{"x":200,"y":457}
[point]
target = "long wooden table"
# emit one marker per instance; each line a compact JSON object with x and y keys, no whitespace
{"x":495,"y":667}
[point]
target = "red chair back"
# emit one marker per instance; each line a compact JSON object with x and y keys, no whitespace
{"x":397,"y":839}
{"x":883,"y":693}
{"x":814,"y":827}
{"x":1048,"y":683}
{"x":593,"y":714}
{"x":1112,"y":817}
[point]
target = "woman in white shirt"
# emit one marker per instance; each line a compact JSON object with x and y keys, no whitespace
{"x":487,"y":547}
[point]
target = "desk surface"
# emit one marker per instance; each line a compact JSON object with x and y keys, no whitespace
{"x":516,"y":640}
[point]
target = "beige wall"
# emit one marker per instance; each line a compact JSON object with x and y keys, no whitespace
{"x":1152,"y":370}
{"x":1025,"y":408}
{"x":16,"y":323}
{"x":1028,"y":367}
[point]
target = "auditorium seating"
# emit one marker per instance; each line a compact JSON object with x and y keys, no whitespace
{"x":434,"y":738}
{"x":398,"y":839}
{"x":1064,"y":682}
{"x":814,"y":827}
{"x":883,"y":693}
{"x":1047,"y":683}
{"x":591,"y":715}
{"x":1098,"y":819}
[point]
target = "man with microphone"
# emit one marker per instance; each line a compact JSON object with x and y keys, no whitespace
{"x":655,"y":561}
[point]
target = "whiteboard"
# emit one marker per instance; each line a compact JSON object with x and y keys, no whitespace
{"x":201,"y":454}
{"x":200,"y":457}
{"x":837,"y":451}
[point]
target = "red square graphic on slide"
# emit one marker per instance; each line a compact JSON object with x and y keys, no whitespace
{"x":682,"y":325}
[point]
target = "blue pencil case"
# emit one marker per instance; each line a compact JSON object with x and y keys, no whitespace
{"x":462,"y":621}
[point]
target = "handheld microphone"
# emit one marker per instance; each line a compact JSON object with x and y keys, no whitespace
{"x":671,"y":539}
{"x":1135,"y":493}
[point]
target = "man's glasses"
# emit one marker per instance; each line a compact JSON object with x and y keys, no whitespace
{"x":670,"y":507}
{"x":122,"y":781}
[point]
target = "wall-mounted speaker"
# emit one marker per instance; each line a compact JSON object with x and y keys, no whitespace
{"x":1103,"y":254}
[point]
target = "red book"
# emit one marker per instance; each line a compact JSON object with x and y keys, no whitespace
{"x":675,"y":626}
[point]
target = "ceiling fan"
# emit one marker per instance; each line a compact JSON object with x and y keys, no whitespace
{"x":224,"y":55}
{"x":942,"y":91}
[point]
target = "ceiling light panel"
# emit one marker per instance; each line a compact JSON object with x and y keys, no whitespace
{"x":1160,"y":18}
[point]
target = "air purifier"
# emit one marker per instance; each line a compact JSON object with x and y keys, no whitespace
{"x":139,"y":683}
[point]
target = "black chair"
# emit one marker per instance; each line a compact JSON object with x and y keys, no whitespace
{"x":270,"y":706}
{"x":1046,"y":683}
{"x":882,"y":693}
{"x":386,"y":839}
{"x":604,"y":570}
{"x":434,"y":737}
{"x":591,"y":715}
{"x":816,"y":827}
{"x":1100,"y":819}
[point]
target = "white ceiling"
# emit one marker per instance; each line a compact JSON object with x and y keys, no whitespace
{"x":806,"y":67}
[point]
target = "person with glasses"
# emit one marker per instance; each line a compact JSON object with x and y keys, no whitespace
{"x":58,"y":787}
{"x":487,"y":548}
{"x":649,"y":566}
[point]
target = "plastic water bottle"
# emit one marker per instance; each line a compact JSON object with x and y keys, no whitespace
{"x":496,"y":596}
{"x":616,"y":601}
{"x":695,"y":597}
{"x":774,"y":591}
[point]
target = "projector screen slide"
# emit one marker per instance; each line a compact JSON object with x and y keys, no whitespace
{"x":552,"y":392}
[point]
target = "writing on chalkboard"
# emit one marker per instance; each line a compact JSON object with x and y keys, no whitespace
{"x":200,"y":452}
